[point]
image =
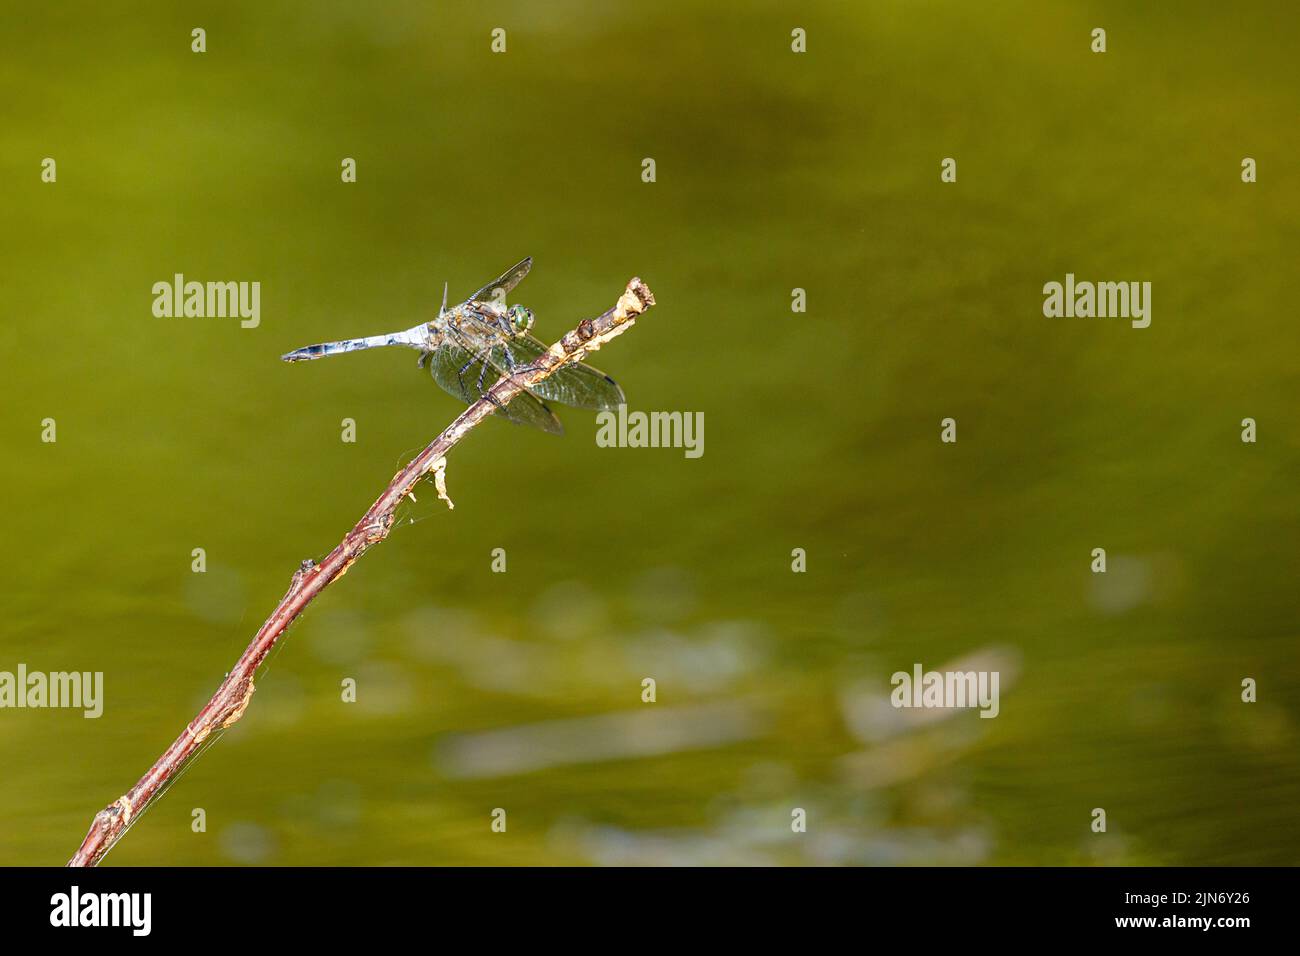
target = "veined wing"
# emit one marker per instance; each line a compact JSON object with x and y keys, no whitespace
{"x":576,"y":384}
{"x":462,"y":375}
{"x":499,"y":288}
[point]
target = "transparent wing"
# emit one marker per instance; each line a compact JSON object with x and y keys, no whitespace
{"x":528,"y":409}
{"x":460,"y":374}
{"x":581,"y":386}
{"x":499,"y":288}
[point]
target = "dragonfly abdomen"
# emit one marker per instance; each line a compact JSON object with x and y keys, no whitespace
{"x":412,"y":338}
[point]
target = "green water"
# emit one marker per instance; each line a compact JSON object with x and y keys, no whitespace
{"x":774,"y":171}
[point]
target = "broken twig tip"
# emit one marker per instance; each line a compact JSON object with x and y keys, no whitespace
{"x":439,"y":469}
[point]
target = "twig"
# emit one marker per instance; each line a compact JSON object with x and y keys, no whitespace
{"x":232,"y":697}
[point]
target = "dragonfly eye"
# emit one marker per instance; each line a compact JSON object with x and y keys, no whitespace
{"x":521,"y":318}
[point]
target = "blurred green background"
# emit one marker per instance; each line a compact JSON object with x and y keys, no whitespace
{"x":775,"y":170}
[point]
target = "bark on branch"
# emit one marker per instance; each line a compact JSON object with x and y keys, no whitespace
{"x":236,"y":691}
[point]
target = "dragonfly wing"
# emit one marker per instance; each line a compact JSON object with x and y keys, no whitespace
{"x":458,"y":372}
{"x":527,"y":409}
{"x":499,"y":288}
{"x":576,"y":384}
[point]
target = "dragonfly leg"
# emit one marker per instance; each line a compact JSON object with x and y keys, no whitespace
{"x":460,"y":378}
{"x":424,"y":357}
{"x":482,"y":371}
{"x":515,"y":368}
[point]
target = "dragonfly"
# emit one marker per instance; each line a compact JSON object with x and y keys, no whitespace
{"x":469,"y":346}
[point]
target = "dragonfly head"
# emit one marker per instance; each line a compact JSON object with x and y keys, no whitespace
{"x":521,"y":319}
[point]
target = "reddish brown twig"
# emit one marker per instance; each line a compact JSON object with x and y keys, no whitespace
{"x":232,"y":697}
